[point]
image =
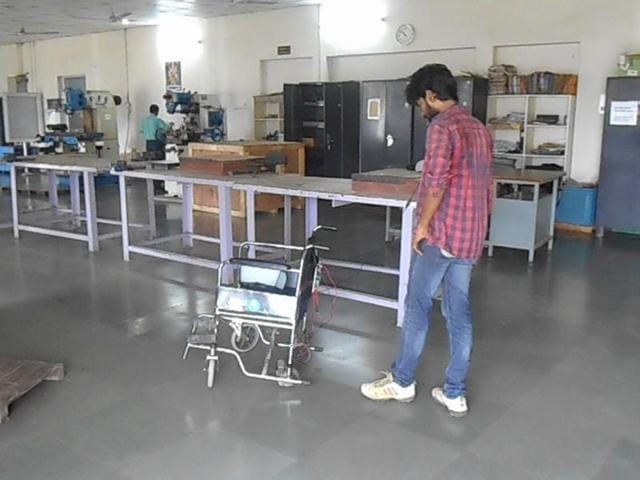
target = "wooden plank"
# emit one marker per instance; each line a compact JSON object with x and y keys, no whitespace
{"x":568,"y":227}
{"x":223,"y":165}
{"x":17,"y":377}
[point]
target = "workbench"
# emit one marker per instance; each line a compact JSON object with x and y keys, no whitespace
{"x":42,"y":221}
{"x":311,"y":189}
{"x":523,"y":214}
{"x":523,"y":211}
{"x":187,"y":180}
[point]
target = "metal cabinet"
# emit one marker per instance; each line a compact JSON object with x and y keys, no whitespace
{"x":385,"y":125}
{"x":392,"y":132}
{"x":325,"y":117}
{"x":619,"y":183}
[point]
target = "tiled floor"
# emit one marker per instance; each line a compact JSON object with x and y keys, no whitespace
{"x":553,"y":391}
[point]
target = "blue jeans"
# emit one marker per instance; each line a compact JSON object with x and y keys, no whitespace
{"x":428,"y":271}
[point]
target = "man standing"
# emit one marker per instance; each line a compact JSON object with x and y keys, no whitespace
{"x":452,"y":215}
{"x":153,"y":129}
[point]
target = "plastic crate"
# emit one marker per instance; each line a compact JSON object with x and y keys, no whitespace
{"x":578,"y":206}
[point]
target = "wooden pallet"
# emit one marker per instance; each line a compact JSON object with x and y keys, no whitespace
{"x":17,"y":377}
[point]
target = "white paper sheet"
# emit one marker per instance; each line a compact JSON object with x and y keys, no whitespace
{"x":624,"y":113}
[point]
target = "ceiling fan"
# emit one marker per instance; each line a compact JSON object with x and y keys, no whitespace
{"x":24,"y":33}
{"x":112,"y":18}
{"x":119,"y":17}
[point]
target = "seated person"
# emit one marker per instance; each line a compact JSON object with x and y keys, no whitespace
{"x":154,"y":130}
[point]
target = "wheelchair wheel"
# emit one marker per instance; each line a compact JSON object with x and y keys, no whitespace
{"x":247,"y":340}
{"x":302,"y":354}
{"x":211,"y":373}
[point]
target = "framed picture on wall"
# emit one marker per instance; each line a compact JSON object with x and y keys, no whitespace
{"x":173,"y":75}
{"x":373,"y":108}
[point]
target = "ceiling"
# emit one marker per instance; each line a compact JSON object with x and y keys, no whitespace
{"x":77,"y":17}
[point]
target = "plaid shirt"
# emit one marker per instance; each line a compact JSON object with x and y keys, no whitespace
{"x":458,"y":159}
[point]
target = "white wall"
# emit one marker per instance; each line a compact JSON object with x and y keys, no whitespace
{"x":391,"y":65}
{"x":239,"y":44}
{"x":225,"y":57}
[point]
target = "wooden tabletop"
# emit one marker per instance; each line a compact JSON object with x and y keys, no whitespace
{"x":225,"y":158}
{"x":530,"y":176}
{"x":249,"y":143}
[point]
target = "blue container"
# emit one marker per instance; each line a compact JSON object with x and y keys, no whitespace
{"x":578,"y":206}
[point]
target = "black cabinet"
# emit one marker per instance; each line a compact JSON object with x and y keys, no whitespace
{"x":619,"y":182}
{"x":385,"y":126}
{"x":392,"y":133}
{"x":325,"y":116}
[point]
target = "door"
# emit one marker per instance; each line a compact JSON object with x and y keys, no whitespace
{"x":419,"y":128}
{"x":619,"y":183}
{"x":350,"y":112}
{"x":333,"y":130}
{"x":372,"y":126}
{"x":398,"y":122}
{"x":292,"y":132}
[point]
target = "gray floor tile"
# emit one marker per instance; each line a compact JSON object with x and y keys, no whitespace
{"x":205,"y":454}
{"x":374,"y":448}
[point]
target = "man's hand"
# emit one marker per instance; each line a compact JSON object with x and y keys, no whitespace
{"x":419,"y":235}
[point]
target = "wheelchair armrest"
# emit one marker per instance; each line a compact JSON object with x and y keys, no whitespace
{"x":274,"y":246}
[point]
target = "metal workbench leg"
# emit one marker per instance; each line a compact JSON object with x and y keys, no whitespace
{"x":74,"y":193}
{"x":405,"y":259}
{"x":287,"y":225}
{"x":91,"y":210}
{"x":124,"y":217}
{"x":387,"y":225}
{"x":536,"y":202}
{"x":287,"y":220}
{"x":14,"y":202}
{"x":187,"y":215}
{"x":53,"y":188}
{"x":226,"y":225}
{"x":251,"y":220}
{"x":552,"y":228}
{"x":151,"y":205}
{"x":311,"y":215}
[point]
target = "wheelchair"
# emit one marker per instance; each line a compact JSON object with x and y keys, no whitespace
{"x":263,"y":302}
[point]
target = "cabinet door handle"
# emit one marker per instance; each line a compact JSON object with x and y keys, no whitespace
{"x":329,"y":142}
{"x":390,"y":140}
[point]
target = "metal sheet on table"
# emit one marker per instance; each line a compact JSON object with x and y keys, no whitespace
{"x":79,"y":162}
{"x":291,"y":184}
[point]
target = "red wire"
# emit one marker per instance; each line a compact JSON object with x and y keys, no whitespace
{"x":316,"y":298}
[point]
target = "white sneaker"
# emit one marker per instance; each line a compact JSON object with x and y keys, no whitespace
{"x":457,"y":406}
{"x":387,"y":389}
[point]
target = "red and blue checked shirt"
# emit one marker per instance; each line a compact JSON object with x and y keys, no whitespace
{"x":458,"y":159}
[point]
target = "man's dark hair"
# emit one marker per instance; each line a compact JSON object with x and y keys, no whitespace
{"x":435,"y":77}
{"x":154,"y":109}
